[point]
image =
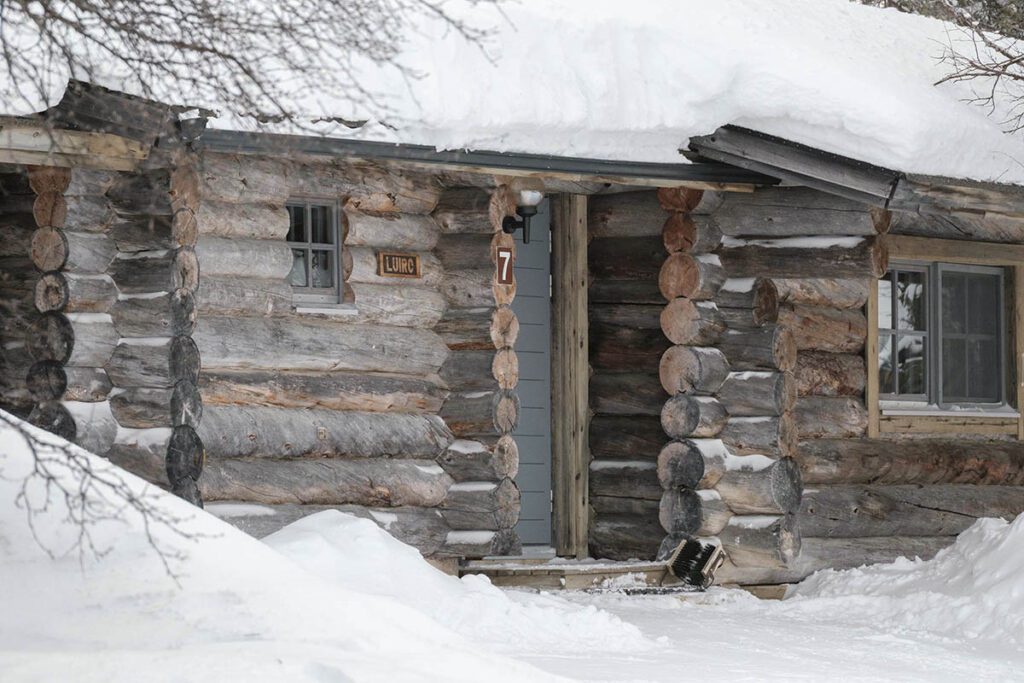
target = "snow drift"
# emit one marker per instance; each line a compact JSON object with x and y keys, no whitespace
{"x":237,"y":611}
{"x":973,"y":589}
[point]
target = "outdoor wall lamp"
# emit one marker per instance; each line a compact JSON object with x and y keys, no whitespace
{"x":526,"y":208}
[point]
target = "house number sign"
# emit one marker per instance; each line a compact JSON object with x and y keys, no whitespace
{"x":393,"y":264}
{"x":504,"y":266}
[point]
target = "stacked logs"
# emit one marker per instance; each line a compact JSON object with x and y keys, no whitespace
{"x":70,"y":336}
{"x":481,"y":371}
{"x":308,"y":405}
{"x":625,"y":252}
{"x":155,"y":365}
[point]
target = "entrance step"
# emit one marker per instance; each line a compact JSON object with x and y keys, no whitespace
{"x":562,"y":574}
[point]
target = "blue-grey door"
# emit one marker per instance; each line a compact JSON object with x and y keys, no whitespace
{"x":533,"y":308}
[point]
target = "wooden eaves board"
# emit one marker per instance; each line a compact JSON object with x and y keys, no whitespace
{"x":25,"y":141}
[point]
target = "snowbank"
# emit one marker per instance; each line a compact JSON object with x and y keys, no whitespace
{"x":973,"y":589}
{"x":636,"y":80}
{"x":358,"y":555}
{"x":237,"y":611}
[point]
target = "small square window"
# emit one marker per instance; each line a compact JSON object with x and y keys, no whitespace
{"x":315,"y":238}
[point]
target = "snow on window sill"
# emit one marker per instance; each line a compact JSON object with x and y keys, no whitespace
{"x":932,"y":410}
{"x":328,"y":309}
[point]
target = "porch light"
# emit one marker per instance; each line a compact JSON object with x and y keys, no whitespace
{"x":526,"y":208}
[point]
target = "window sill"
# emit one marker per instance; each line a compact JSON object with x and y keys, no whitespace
{"x":327,"y":309}
{"x":1007,"y":413}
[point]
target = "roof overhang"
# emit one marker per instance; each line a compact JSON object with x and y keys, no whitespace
{"x":706,"y":176}
{"x":32,"y":141}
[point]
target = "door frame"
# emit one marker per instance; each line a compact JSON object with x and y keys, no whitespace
{"x":570,"y":377}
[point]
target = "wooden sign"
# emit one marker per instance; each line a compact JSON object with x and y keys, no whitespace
{"x":504,"y":266}
{"x":393,"y":264}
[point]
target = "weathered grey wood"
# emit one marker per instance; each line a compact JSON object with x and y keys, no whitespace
{"x":851,"y":293}
{"x":477,"y":544}
{"x":822,"y":417}
{"x":697,"y":323}
{"x":232,"y":257}
{"x":302,"y":344}
{"x":156,"y":363}
{"x":611,"y":505}
{"x":366,"y":186}
{"x":471,"y":288}
{"x":696,"y":234}
{"x":273,"y":432}
{"x":620,"y":437}
{"x":480,"y":460}
{"x":766,"y":487}
{"x":839,"y":553}
{"x":89,"y":213}
{"x":141,"y":408}
{"x":625,"y":258}
{"x":95,"y":427}
{"x":143,"y":193}
{"x":680,"y":511}
{"x":478,"y":329}
{"x":242,"y":295}
{"x":78,"y":339}
{"x":694,"y":277}
{"x":482,"y":505}
{"x":692,"y":369}
{"x":984,"y":228}
{"x":805,"y":257}
{"x":50,"y":381}
{"x":156,"y":271}
{"x":88,"y":252}
{"x":243,"y":178}
{"x":469,"y":251}
{"x":245,"y":220}
{"x":775,"y":437}
{"x":625,"y":479}
{"x":626,"y":394}
{"x":367,"y":481}
{"x":625,"y":292}
{"x":633,"y":316}
{"x":403,"y":305}
{"x":866,"y":511}
{"x":161,"y":314}
{"x":697,"y":416}
{"x":464,"y":210}
{"x":75,"y":293}
{"x":746,"y":318}
{"x":913,"y":461}
{"x":339,"y":391}
{"x":469,"y":370}
{"x":625,"y":537}
{"x":715,"y":514}
{"x":753,"y":393}
{"x":407,"y":232}
{"x":817,"y":328}
{"x":772,"y":347}
{"x":687,"y":463}
{"x":624,"y":349}
{"x":756,"y":293}
{"x":481,"y":413}
{"x":819,"y":373}
{"x":780,"y":212}
{"x":135,"y":233}
{"x":625,"y":214}
{"x":761,"y":541}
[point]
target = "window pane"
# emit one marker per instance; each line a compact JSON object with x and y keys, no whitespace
{"x":983,"y":377}
{"x":911,"y":365}
{"x":886,"y":378}
{"x":322,"y":269}
{"x":297,"y":277}
{"x":320,"y":221}
{"x":296,"y":224}
{"x":954,"y":369}
{"x":885,"y":302}
{"x":910,"y":303}
{"x":983,"y":304}
{"x":954,"y":303}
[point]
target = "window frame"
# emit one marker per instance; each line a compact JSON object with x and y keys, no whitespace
{"x":321,"y":296}
{"x":910,"y":418}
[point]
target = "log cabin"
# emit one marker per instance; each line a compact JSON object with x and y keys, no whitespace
{"x":813,"y":360}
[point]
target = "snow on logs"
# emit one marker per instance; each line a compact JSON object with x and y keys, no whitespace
{"x":804,"y":257}
{"x":759,"y":393}
{"x":482,"y":505}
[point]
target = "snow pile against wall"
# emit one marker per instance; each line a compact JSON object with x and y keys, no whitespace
{"x":237,"y":611}
{"x":353,"y":552}
{"x":972,"y":589}
{"x":634,"y":81}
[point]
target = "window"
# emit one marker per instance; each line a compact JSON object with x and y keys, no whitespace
{"x":315,"y":239}
{"x":942,"y":335}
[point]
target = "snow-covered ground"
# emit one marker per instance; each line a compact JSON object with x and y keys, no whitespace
{"x":335,"y":598}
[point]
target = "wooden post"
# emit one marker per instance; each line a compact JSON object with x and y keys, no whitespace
{"x":1018,"y":341}
{"x":569,"y":375}
{"x":871,"y":358}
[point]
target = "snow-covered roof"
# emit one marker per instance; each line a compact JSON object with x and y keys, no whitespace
{"x":636,"y":80}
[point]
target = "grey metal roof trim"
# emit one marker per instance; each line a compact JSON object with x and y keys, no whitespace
{"x":271,"y":143}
